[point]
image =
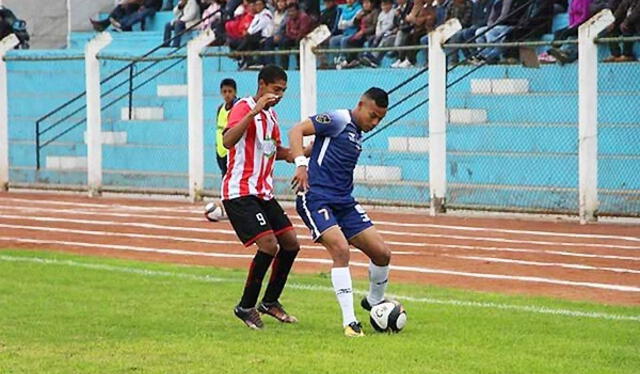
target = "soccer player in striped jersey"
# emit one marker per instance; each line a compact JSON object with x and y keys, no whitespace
{"x":325,"y":203}
{"x":252,"y":136}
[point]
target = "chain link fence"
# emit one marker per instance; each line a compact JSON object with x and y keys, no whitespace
{"x":145,"y":122}
{"x":222,"y":64}
{"x":618,"y":128}
{"x":512,"y":132}
{"x":32,"y":94}
{"x":393,"y":166}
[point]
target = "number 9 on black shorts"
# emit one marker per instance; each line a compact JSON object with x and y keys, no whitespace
{"x":253,"y":218}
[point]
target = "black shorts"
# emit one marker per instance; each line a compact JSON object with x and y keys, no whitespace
{"x":253,"y":218}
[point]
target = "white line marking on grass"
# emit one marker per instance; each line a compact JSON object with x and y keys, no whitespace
{"x":415,"y":269}
{"x":396,"y":224}
{"x":315,"y":288}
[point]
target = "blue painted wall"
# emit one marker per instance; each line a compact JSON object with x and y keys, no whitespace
{"x":524,"y":156}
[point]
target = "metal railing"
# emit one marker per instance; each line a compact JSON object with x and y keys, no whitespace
{"x":131,"y":75}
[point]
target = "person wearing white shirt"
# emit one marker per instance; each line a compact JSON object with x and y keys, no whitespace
{"x":187,"y":14}
{"x":260,"y":29}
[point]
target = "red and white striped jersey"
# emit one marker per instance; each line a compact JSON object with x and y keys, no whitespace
{"x":250,"y":161}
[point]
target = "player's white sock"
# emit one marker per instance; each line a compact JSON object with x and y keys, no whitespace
{"x":341,"y":279}
{"x":378,"y":280}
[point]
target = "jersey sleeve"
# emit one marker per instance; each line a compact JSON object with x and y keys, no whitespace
{"x":329,"y":124}
{"x":237,"y":114}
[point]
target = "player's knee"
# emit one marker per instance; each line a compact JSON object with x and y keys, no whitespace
{"x":341,"y":256}
{"x":268,"y":244}
{"x":382,"y":257}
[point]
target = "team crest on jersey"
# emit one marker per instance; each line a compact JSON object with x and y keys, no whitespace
{"x":269,"y":147}
{"x":323,"y":118}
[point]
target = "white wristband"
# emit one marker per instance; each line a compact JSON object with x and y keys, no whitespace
{"x":301,"y":161}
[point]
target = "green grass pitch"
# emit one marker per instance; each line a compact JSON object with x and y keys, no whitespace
{"x":69,"y":314}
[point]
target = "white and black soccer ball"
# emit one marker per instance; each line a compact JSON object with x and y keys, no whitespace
{"x":388,"y":316}
{"x":214,"y":212}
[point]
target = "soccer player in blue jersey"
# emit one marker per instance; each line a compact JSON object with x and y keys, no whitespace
{"x":325,"y":183}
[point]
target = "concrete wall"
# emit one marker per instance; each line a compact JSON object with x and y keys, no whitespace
{"x":82,"y":10}
{"x":47,"y":20}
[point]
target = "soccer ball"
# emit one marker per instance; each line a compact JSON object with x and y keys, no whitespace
{"x":214,"y":212}
{"x":388,"y":316}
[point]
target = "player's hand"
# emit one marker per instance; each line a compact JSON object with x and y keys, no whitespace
{"x":265,"y":100}
{"x":300,"y":182}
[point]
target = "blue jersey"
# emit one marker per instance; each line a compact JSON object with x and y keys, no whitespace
{"x":334,"y":157}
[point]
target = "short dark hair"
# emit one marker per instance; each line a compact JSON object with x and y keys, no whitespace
{"x":295,"y":6}
{"x":378,"y":95}
{"x":229,"y":83}
{"x":271,"y":74}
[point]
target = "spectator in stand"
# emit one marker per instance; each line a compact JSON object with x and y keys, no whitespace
{"x":503,"y":18}
{"x":460,"y":9}
{"x":147,"y":9}
{"x":441,"y":7}
{"x":11,"y":24}
{"x":479,"y":17}
{"x":423,"y":19}
{"x":187,"y":14}
{"x":404,"y":27}
{"x":368,"y":18}
{"x":329,"y":17}
{"x":260,"y":29}
{"x":213,"y":19}
{"x":236,"y":28}
{"x":579,"y":12}
{"x":535,"y":22}
{"x":385,"y":35}
{"x":297,"y":26}
{"x":279,"y":19}
{"x":346,"y":27}
{"x":627,"y":23}
{"x":123,"y":9}
{"x":279,"y":14}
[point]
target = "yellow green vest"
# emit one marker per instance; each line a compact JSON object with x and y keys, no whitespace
{"x":223,"y":116}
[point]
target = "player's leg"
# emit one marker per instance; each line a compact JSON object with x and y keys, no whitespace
{"x":319,"y":218}
{"x":251,"y":225}
{"x":357,"y":226}
{"x":338,"y":247}
{"x":286,"y":255}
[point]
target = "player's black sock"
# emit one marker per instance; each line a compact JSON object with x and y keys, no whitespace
{"x":257,"y":270}
{"x":279,"y":273}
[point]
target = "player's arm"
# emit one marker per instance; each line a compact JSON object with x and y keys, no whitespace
{"x":284,"y":153}
{"x":296,"y":135}
{"x":234,"y":132}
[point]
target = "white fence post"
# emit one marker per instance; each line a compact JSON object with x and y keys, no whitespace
{"x":308,"y":71}
{"x":438,"y":114}
{"x":588,"y":114}
{"x":195,"y":88}
{"x":6,"y":45}
{"x":94,"y":111}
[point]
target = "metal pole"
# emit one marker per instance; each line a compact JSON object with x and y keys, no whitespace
{"x":131,"y":92}
{"x":37,"y":145}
